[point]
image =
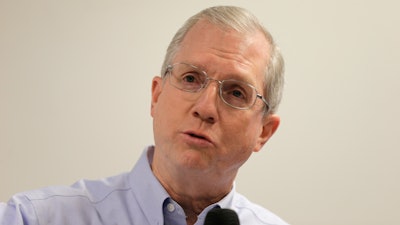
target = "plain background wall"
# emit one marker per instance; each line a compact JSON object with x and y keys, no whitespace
{"x":75,"y":82}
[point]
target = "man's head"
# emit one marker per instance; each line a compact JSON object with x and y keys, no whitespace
{"x":209,"y":132}
{"x":241,"y":20}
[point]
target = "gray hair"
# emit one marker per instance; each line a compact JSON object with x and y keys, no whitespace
{"x":242,"y":21}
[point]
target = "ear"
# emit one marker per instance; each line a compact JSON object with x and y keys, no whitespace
{"x":156,"y":88}
{"x":270,"y":125}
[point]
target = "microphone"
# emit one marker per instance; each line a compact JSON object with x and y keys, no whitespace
{"x":218,"y":216}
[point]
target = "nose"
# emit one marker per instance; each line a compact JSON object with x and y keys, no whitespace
{"x":205,"y":106}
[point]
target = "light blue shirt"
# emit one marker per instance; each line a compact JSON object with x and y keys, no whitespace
{"x":135,"y":198}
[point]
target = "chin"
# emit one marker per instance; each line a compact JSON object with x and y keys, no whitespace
{"x":193,"y":159}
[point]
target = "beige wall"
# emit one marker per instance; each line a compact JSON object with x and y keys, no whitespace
{"x":75,"y":86}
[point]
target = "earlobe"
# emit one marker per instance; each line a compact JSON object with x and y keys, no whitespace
{"x":270,"y":125}
{"x":156,"y":87}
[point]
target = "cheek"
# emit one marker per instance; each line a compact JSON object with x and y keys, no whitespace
{"x":168,"y":113}
{"x":161,"y":116}
{"x":241,"y":136}
{"x":242,"y":129}
{"x":168,"y":102}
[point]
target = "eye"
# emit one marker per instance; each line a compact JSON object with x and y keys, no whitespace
{"x":234,"y":92}
{"x":237,"y":93}
{"x":190,"y":78}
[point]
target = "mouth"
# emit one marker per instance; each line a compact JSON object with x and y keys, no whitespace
{"x":198,"y":136}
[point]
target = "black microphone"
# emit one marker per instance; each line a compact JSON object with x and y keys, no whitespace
{"x":218,"y":216}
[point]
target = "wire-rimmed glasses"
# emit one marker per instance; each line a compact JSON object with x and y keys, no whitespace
{"x":235,"y":93}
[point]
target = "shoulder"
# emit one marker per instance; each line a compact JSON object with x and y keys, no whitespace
{"x":66,"y":203}
{"x":251,"y":213}
{"x":91,"y":190}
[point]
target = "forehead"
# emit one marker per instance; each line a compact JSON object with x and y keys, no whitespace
{"x":225,"y":52}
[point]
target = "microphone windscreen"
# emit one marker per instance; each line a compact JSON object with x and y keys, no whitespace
{"x":218,"y":216}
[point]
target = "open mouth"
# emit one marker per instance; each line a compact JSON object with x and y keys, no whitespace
{"x":198,"y":139}
{"x":197,"y":136}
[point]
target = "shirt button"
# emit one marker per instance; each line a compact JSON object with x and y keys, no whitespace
{"x":170,"y":207}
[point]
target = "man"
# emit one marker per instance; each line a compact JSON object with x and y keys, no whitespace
{"x":212,"y":107}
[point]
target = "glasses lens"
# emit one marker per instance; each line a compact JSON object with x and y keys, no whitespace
{"x":238,"y":94}
{"x":187,"y":77}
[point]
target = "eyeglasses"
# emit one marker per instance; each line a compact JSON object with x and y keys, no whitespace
{"x":237,"y":94}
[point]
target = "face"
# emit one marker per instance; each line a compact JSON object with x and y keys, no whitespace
{"x":197,"y":131}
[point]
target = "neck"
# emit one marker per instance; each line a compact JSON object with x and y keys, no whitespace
{"x":193,"y":190}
